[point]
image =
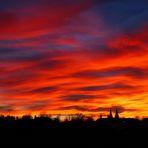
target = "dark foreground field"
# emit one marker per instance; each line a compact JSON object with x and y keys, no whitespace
{"x":101,"y":133}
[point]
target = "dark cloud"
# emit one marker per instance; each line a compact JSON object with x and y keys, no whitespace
{"x":6,"y":108}
{"x":99,"y":109}
{"x":14,"y":78}
{"x":123,"y":15}
{"x":50,"y":64}
{"x":78,"y":97}
{"x":43,"y":90}
{"x":51,"y":3}
{"x":4,"y":51}
{"x":133,"y":72}
{"x":108,"y":86}
{"x":36,"y":105}
{"x":19,"y":55}
{"x":78,"y":108}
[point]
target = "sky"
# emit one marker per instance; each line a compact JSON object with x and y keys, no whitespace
{"x":81,"y":56}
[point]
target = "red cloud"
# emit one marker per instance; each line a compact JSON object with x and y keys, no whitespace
{"x":39,"y":19}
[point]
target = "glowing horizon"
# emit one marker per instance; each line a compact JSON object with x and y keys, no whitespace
{"x":66,"y":57}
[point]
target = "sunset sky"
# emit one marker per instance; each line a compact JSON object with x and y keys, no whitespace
{"x":74,"y":56}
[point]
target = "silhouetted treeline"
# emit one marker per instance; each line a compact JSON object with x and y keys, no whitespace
{"x":73,"y":129}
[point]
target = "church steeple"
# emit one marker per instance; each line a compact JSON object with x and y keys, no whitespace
{"x":100,"y":116}
{"x":110,"y":114}
{"x":116,"y":114}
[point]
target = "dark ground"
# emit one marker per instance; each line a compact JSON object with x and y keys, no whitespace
{"x":47,"y":133}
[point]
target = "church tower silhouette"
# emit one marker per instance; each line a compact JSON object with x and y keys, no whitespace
{"x":110,"y":114}
{"x":116,"y":114}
